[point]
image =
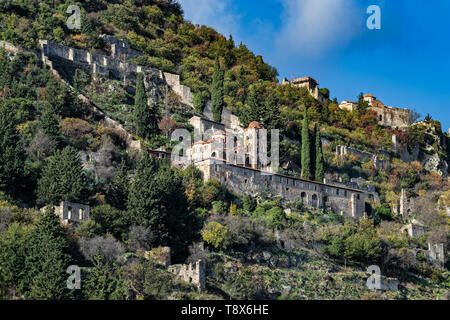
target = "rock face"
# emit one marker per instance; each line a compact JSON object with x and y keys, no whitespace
{"x":431,"y":155}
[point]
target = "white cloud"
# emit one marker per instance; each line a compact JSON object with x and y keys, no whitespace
{"x":212,"y":13}
{"x":311,"y":27}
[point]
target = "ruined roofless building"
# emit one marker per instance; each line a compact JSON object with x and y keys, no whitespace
{"x":387,"y":116}
{"x":236,"y":164}
{"x":70,"y":212}
{"x":309,"y":83}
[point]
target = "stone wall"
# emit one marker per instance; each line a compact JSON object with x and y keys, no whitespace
{"x":114,"y":67}
{"x":392,"y":117}
{"x":70,"y":212}
{"x":192,"y":273}
{"x":243,"y":180}
{"x":414,"y":230}
{"x":377,"y":162}
{"x":437,"y":253}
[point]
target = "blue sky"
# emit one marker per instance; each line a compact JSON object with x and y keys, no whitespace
{"x":405,"y":64}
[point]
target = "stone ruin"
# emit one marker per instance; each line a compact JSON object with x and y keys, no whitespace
{"x":437,"y":253}
{"x":70,"y":212}
{"x":116,"y":66}
{"x":192,"y":273}
{"x":414,"y":229}
{"x":377,"y":162}
{"x":406,"y":205}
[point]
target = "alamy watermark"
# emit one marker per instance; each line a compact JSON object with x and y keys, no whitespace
{"x":374,"y":281}
{"x":374,"y":20}
{"x":74,"y":21}
{"x":74,"y":280}
{"x":248,"y":149}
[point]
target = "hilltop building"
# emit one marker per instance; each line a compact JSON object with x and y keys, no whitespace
{"x":387,"y":116}
{"x":309,"y":83}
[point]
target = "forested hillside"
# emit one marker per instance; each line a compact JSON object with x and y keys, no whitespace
{"x":53,"y":148}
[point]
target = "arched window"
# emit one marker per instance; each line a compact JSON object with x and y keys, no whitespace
{"x":381,"y":117}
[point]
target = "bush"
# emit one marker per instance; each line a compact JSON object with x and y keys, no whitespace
{"x":215,"y":235}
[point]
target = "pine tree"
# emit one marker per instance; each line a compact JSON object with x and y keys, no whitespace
{"x":46,"y":260}
{"x":145,"y":116}
{"x":117,"y":194}
{"x":12,"y":155}
{"x":102,"y":283}
{"x":319,"y":167}
{"x":157,"y":201}
{"x":217,"y":92}
{"x":306,"y":148}
{"x":62,"y":178}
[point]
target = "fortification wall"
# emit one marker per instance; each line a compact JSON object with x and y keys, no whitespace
{"x":245,"y":180}
{"x":115,"y":67}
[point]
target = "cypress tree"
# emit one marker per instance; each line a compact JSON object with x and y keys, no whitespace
{"x":62,"y":178}
{"x":145,"y":115}
{"x":306,"y":148}
{"x":217,"y":92}
{"x":319,"y":157}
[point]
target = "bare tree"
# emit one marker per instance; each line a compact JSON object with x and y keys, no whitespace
{"x":139,"y":238}
{"x":108,"y":247}
{"x":41,"y":146}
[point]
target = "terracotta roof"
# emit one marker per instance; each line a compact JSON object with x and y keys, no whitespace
{"x":369,"y":95}
{"x":254,"y":124}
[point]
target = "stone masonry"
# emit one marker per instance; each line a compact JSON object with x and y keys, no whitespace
{"x":236,"y":164}
{"x":115,"y":66}
{"x":192,"y":273}
{"x":70,"y":212}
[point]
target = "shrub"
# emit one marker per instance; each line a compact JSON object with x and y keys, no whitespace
{"x":215,"y":235}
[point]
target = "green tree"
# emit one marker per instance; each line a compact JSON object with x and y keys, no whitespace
{"x":46,"y":260}
{"x":117,"y":194}
{"x":102,"y":282}
{"x":215,"y":235}
{"x":145,"y":116}
{"x":62,"y":178}
{"x":157,"y":200}
{"x":12,"y":156}
{"x":306,"y":148}
{"x":12,"y":255}
{"x":362,"y":106}
{"x":217,"y":92}
{"x":320,"y":171}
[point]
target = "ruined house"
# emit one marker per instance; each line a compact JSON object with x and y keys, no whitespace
{"x":70,"y":212}
{"x":387,"y":116}
{"x":192,"y":273}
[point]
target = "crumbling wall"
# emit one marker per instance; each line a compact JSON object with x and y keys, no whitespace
{"x":114,"y":67}
{"x":70,"y":212}
{"x":192,"y":273}
{"x":437,"y":253}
